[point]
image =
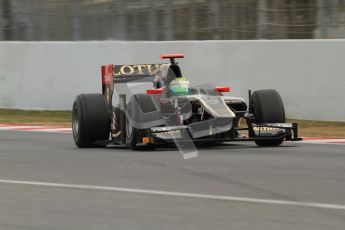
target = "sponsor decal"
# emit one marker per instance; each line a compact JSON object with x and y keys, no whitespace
{"x":150,"y":69}
{"x":233,"y":101}
{"x":265,"y":129}
{"x":169,"y":134}
{"x":116,"y":134}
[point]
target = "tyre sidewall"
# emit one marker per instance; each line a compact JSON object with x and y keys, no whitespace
{"x":267,"y":107}
{"x":93,"y":118}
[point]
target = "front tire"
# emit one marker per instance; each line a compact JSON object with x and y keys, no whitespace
{"x":134,"y":135}
{"x":131,"y":131}
{"x":90,"y":120}
{"x":268,"y":107}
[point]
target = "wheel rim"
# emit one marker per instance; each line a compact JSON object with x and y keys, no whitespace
{"x":252,"y":111}
{"x":75,"y":122}
{"x":129,"y":127}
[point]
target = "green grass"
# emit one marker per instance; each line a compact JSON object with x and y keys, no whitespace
{"x":63,"y":118}
{"x":50,"y":117}
{"x":311,"y":128}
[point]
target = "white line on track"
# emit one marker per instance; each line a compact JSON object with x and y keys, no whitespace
{"x":20,"y":127}
{"x":325,"y":141}
{"x":179,"y":194}
{"x":36,"y":129}
{"x":54,"y":130}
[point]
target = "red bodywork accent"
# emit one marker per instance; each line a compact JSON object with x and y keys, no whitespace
{"x":107,"y":74}
{"x":222,"y":89}
{"x":172,"y":56}
{"x":155,"y":91}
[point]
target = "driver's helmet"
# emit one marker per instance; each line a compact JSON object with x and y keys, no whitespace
{"x":179,"y":86}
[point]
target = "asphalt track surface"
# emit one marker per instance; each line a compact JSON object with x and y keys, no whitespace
{"x":47,"y":183}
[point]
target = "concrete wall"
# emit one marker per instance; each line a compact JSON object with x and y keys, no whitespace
{"x":310,"y":75}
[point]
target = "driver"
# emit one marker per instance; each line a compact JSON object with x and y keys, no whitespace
{"x":179,"y":86}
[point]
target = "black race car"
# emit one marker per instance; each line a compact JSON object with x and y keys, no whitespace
{"x":174,"y":112}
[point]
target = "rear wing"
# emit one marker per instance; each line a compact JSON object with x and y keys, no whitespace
{"x":112,"y":74}
{"x":128,"y":73}
{"x":115,"y":74}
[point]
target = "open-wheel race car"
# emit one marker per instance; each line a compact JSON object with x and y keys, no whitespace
{"x":173,"y":111}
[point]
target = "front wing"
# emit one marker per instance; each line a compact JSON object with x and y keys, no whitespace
{"x":287,"y":131}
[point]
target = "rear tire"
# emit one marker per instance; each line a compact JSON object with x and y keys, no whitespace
{"x":268,"y":107}
{"x":90,"y":120}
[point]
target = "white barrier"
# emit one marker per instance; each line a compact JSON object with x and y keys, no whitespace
{"x":308,"y":74}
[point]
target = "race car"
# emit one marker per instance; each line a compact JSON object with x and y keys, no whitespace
{"x":173,"y":111}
